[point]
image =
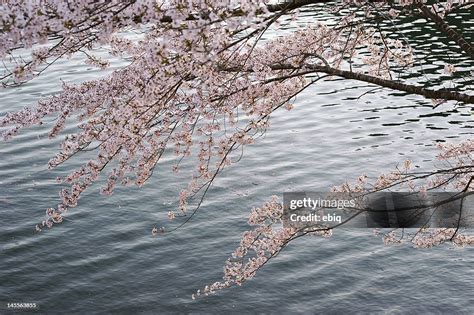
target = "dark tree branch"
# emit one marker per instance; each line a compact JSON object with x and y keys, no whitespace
{"x":446,"y":29}
{"x":291,"y":5}
{"x":397,"y":85}
{"x":391,"y":84}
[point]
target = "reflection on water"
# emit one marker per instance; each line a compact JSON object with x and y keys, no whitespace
{"x":104,"y":259}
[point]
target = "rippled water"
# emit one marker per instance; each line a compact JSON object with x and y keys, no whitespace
{"x":103,"y":259}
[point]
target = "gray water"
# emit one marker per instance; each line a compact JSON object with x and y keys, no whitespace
{"x":103,"y":258}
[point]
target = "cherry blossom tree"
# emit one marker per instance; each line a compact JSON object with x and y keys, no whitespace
{"x":202,"y":82}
